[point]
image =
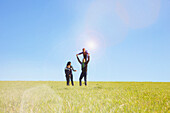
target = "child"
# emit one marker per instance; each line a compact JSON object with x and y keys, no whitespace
{"x":85,"y":53}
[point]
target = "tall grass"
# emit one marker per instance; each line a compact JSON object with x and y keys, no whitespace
{"x":105,"y":97}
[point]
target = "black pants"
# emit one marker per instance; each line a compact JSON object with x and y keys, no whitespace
{"x":83,"y":74}
{"x":68,"y":80}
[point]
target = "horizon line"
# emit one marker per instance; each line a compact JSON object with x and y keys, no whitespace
{"x":74,"y":81}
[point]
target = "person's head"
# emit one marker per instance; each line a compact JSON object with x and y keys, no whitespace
{"x":84,"y":50}
{"x":84,"y":60}
{"x":68,"y":63}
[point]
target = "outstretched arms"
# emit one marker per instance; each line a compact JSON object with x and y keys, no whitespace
{"x":78,"y":59}
{"x":79,"y":53}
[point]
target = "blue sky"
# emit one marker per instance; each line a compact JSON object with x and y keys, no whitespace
{"x":128,"y":40}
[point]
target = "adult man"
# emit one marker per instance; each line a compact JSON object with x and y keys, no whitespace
{"x":84,"y":65}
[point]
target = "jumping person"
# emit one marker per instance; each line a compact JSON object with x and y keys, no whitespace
{"x":68,"y":73}
{"x":85,"y":53}
{"x":84,"y":65}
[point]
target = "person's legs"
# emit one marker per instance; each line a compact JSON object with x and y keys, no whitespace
{"x":67,"y":78}
{"x":72,"y":80}
{"x":85,"y":78}
{"x":81,"y":76}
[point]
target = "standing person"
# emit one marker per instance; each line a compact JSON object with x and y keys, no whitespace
{"x":84,"y":52}
{"x":84,"y":65}
{"x":68,"y":73}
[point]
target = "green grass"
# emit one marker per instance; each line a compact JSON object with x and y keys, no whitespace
{"x":105,"y":97}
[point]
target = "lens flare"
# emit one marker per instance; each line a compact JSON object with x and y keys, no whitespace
{"x":91,"y":40}
{"x":91,"y":45}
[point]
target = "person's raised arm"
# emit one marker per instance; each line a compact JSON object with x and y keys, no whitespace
{"x":78,"y":59}
{"x":88,"y":58}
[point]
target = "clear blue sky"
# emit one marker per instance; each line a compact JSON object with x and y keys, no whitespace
{"x":128,"y":40}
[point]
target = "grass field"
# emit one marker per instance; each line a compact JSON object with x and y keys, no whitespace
{"x":106,"y":97}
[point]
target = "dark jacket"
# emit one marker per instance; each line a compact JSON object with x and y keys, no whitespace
{"x":84,"y":65}
{"x":68,"y":71}
{"x":85,"y":54}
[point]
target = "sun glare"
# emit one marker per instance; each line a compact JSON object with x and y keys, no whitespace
{"x":91,"y":45}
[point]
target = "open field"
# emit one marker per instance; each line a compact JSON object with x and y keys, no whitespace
{"x":51,"y":97}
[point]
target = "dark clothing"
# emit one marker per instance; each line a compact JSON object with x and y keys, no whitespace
{"x":84,"y":70}
{"x":84,"y":65}
{"x":68,"y":71}
{"x":85,"y":54}
{"x":72,"y":69}
{"x":83,"y":74}
{"x":68,"y":79}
